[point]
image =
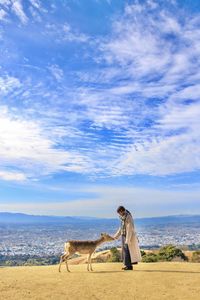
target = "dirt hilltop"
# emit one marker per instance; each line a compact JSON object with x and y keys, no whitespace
{"x":154,"y":281}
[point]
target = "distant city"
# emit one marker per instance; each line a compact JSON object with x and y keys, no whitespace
{"x":47,"y":239}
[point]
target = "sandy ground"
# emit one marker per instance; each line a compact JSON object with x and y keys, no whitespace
{"x":148,"y":281}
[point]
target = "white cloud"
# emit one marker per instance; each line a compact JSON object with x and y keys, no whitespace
{"x":18,"y":8}
{"x":57,"y":72}
{"x":159,"y":53}
{"x":8,"y":84}
{"x":12,"y":176}
{"x":171,"y":147}
{"x":19,"y":11}
{"x":63,"y":33}
{"x":27,"y":146}
{"x":36,"y":4}
{"x":2,"y":14}
{"x":69,"y":35}
{"x":5,"y":2}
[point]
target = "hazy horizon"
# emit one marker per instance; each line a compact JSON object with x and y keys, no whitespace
{"x":89,"y":216}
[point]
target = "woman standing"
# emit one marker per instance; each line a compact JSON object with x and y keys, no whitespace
{"x":130,"y":248}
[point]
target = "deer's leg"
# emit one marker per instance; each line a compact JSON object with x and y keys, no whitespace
{"x":67,"y":264}
{"x":64,"y":258}
{"x":88,"y":265}
{"x":90,"y":261}
{"x":61,"y":260}
{"x":67,"y":255}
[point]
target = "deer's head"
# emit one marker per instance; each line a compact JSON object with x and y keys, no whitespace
{"x":107,"y":237}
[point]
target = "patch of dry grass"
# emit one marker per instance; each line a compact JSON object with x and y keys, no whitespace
{"x":147,"y":282}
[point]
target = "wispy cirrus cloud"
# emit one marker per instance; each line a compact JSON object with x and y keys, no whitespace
{"x":56,"y":71}
{"x":18,"y":10}
{"x":157,"y":55}
{"x":2,"y":14}
{"x":25,"y":146}
{"x":63,"y":33}
{"x":23,"y":10}
{"x":131,"y":106}
{"x":8,"y":84}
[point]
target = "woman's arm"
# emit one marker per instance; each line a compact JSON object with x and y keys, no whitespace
{"x":117,"y":234}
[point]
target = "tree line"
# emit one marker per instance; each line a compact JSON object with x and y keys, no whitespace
{"x":165,"y":253}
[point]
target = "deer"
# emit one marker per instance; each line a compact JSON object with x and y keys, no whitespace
{"x":83,"y":247}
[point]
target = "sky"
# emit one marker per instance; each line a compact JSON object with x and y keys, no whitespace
{"x":100,"y":107}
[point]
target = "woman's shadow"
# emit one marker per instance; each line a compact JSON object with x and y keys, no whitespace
{"x":168,"y":271}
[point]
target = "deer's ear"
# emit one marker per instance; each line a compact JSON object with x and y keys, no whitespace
{"x":102,"y":234}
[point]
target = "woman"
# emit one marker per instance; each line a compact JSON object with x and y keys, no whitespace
{"x":130,"y":248}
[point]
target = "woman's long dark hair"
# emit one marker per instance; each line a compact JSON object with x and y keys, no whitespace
{"x":128,"y":212}
{"x":122,"y":208}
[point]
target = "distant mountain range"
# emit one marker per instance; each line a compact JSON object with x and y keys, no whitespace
{"x":20,"y":218}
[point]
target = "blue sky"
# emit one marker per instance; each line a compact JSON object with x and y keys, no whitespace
{"x":99,"y":106}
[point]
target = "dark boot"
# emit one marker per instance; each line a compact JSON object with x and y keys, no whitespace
{"x":127,"y":268}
